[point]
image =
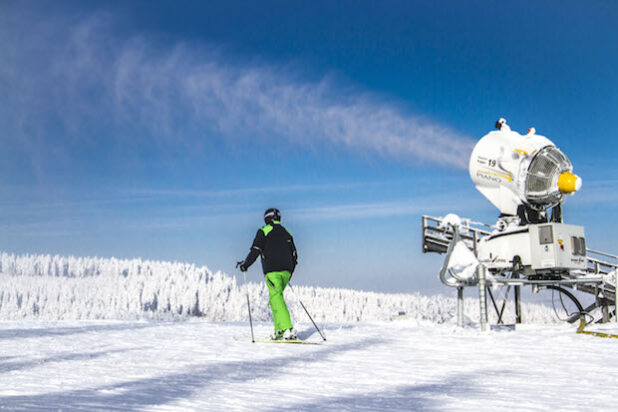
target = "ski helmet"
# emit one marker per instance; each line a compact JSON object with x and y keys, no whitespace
{"x":271,"y":215}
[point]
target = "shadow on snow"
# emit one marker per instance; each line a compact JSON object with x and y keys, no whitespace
{"x":64,"y":331}
{"x":162,"y":390}
{"x":418,"y":397}
{"x":13,"y":365}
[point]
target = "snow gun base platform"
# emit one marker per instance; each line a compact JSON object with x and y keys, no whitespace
{"x":597,"y":278}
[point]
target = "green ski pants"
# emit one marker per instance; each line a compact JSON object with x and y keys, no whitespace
{"x":276,"y":282}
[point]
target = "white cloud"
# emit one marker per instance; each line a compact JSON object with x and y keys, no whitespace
{"x":407,"y":207}
{"x":92,"y":81}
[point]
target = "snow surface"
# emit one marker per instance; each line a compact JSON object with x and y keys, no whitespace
{"x":367,"y":366}
{"x":450,"y":219}
{"x":462,"y":261}
{"x":181,"y":341}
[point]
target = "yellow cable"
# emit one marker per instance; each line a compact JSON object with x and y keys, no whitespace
{"x":582,"y":325}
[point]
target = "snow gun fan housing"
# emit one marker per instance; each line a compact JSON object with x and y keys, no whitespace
{"x":525,"y":176}
{"x":515,"y":171}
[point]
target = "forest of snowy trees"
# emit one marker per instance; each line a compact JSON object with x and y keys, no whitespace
{"x":56,"y":287}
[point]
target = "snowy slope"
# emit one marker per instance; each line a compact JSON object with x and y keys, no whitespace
{"x":56,"y":288}
{"x":144,"y":361}
{"x":364,"y":366}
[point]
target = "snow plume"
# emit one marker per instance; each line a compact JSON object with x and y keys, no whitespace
{"x":89,"y":80}
{"x":55,"y":287}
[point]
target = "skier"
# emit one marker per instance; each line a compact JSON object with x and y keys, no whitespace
{"x":279,"y":258}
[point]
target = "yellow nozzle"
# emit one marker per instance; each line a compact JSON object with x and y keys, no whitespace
{"x":569,"y":183}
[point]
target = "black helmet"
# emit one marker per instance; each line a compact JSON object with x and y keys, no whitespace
{"x":271,"y":215}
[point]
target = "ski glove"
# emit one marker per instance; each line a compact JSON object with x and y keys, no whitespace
{"x":242,"y":266}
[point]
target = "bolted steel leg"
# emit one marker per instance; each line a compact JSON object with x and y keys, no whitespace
{"x":482,"y":296}
{"x":460,"y":306}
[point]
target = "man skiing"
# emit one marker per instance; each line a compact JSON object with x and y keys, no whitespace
{"x":279,"y":258}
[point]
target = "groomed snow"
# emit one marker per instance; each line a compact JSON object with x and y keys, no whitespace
{"x":368,"y":366}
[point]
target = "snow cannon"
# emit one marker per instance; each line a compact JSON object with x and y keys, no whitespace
{"x":526,"y":176}
{"x":515,"y":171}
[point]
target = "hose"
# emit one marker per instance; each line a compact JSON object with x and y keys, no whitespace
{"x":580,"y":308}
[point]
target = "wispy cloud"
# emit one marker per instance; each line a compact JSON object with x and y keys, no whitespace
{"x":405,"y":207}
{"x":149,"y":197}
{"x":190,"y":215}
{"x":251,"y":190}
{"x":597,"y":193}
{"x":135,"y":91}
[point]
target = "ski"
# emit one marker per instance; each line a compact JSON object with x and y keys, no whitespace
{"x":294,"y":341}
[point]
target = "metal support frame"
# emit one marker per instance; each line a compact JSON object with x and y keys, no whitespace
{"x":589,"y":308}
{"x":482,"y":273}
{"x":616,"y":296}
{"x":500,"y":310}
{"x":438,"y":238}
{"x":604,"y":310}
{"x":517,"y":298}
{"x":460,"y":306}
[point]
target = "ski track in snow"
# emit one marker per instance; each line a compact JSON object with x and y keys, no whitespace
{"x":366,"y":366}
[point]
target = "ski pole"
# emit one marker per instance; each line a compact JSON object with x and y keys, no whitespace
{"x":248,"y":304}
{"x":307,"y":312}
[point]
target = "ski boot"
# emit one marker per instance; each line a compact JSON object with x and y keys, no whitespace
{"x":290,"y":334}
{"x":278,"y":335}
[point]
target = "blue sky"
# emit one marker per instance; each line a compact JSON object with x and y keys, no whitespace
{"x":163,"y":130}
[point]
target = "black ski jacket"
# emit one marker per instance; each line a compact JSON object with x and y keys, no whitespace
{"x":276,"y":247}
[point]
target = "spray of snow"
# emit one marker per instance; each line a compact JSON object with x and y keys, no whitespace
{"x":142,"y":92}
{"x":68,"y":288}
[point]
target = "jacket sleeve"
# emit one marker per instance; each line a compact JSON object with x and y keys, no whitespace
{"x":294,"y":253}
{"x":256,"y":248}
